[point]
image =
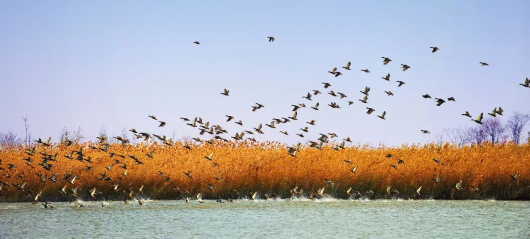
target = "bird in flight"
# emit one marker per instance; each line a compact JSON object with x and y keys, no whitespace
{"x":347,"y":67}
{"x":434,"y":49}
{"x":479,"y":119}
{"x":271,"y":39}
{"x":225,"y":93}
{"x":196,"y":42}
{"x":484,"y":63}
{"x":386,"y":60}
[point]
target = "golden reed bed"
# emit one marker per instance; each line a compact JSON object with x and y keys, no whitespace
{"x":486,"y":172}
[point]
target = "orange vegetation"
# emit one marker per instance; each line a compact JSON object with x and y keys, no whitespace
{"x":486,"y":171}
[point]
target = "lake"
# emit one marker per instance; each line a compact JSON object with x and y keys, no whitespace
{"x":284,"y":218}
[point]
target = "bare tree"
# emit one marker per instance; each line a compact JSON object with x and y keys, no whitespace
{"x":26,"y":125}
{"x":516,"y":124}
{"x":65,"y":135}
{"x":476,"y":134}
{"x":79,"y":136}
{"x":9,"y":139}
{"x":440,"y":138}
{"x":76,"y":136}
{"x":103,"y":137}
{"x":493,"y":128}
{"x":457,"y":136}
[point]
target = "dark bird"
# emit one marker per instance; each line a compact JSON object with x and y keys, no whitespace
{"x":526,"y":83}
{"x":439,"y":101}
{"x":152,"y":117}
{"x":364,"y":100}
{"x":479,"y":119}
{"x":389,"y":93}
{"x":425,"y":131}
{"x":451,"y":99}
{"x":370,"y":110}
{"x":467,"y":114}
{"x":405,"y":67}
{"x":188,"y":174}
{"x":225,"y":93}
{"x":196,"y":42}
{"x":162,"y":124}
{"x":387,"y":77}
{"x":493,"y":113}
{"x":515,"y":176}
{"x":365,"y":70}
{"x":366,"y":90}
{"x":316,"y":92}
{"x":386,"y":60}
{"x":426,"y":96}
{"x":383,"y":115}
{"x":400,"y":83}
{"x":333,"y":71}
{"x":308,"y":96}
{"x":499,"y":111}
{"x":347,"y":67}
{"x":354,"y":169}
{"x":484,"y":63}
{"x":315,"y":107}
{"x":271,"y":39}
{"x":326,"y":85}
{"x":434,"y":49}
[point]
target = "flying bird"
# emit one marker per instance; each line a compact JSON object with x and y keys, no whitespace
{"x":386,"y":60}
{"x":526,"y":83}
{"x":196,"y":42}
{"x":405,"y":67}
{"x":439,"y":101}
{"x":467,"y":114}
{"x":479,"y":119}
{"x":347,"y":67}
{"x":225,"y":93}
{"x":434,"y":49}
{"x":271,"y":39}
{"x":400,"y":83}
{"x":383,"y":115}
{"x":484,"y":63}
{"x":366,"y":90}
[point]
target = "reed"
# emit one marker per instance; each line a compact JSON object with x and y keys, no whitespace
{"x":246,"y":167}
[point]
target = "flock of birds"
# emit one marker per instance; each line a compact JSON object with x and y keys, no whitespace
{"x":71,"y":192}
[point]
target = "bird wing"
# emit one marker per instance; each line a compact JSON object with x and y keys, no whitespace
{"x":348,"y":65}
{"x":384,"y":113}
{"x":480,"y":117}
{"x":295,"y":114}
{"x":316,"y":106}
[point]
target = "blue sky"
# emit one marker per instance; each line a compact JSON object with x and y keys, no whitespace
{"x":113,"y":63}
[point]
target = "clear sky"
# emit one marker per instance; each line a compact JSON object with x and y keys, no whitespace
{"x":113,"y":63}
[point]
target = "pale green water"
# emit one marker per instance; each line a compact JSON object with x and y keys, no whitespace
{"x":270,"y":219}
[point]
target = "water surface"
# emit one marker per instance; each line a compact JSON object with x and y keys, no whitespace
{"x":326,"y":218}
